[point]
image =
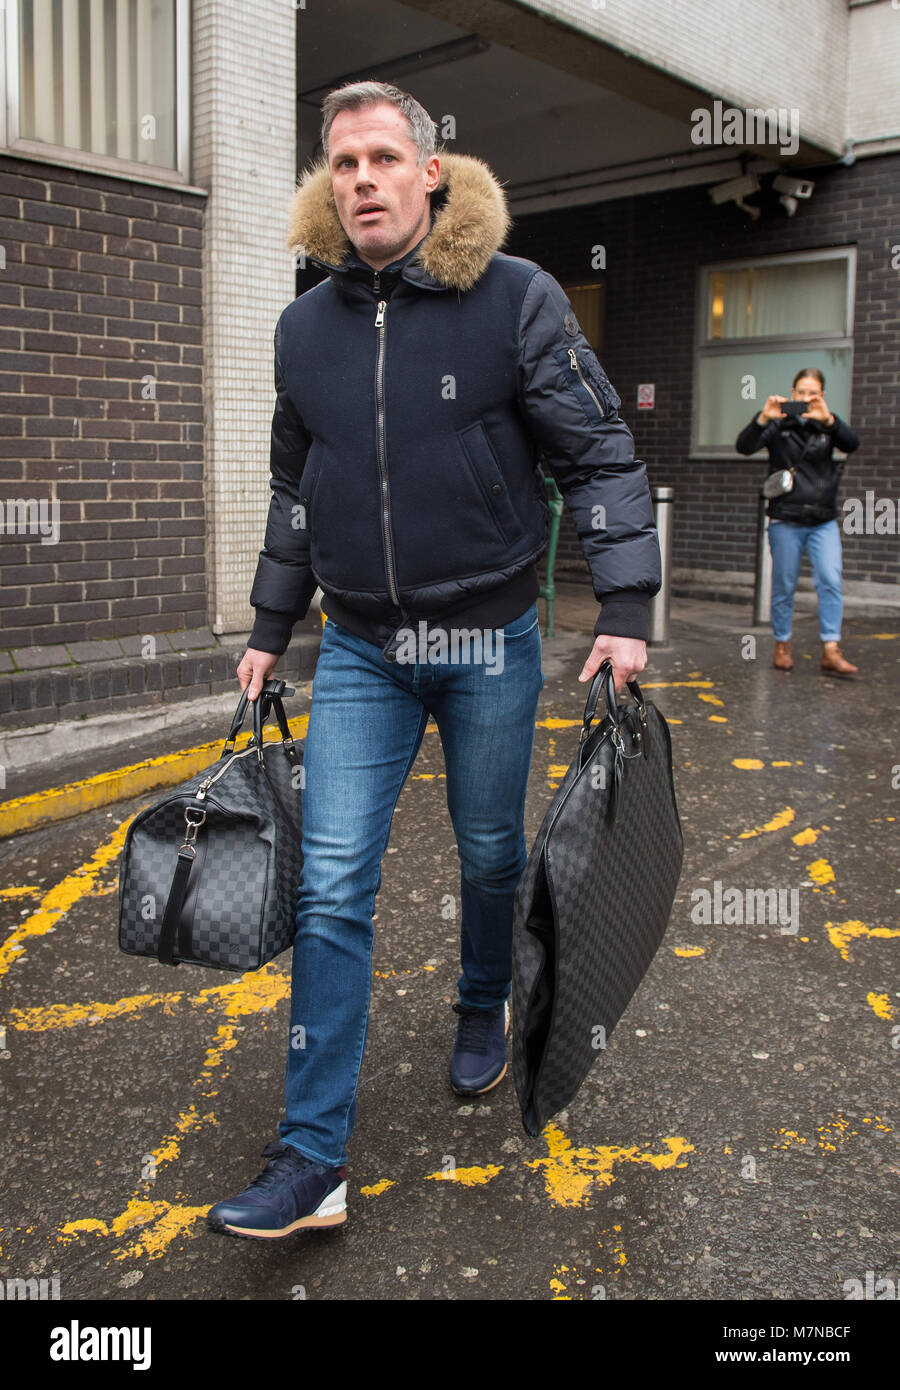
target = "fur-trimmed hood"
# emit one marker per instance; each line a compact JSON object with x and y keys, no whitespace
{"x":471,"y":221}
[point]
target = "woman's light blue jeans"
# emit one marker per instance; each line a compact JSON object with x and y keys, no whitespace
{"x":787,"y":541}
{"x":366,"y":724}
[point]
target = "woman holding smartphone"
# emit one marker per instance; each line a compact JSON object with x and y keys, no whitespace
{"x":800,"y":435}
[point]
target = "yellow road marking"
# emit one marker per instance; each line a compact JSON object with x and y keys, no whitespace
{"x":881,"y":1004}
{"x":119,"y":784}
{"x":820,"y":871}
{"x":59,"y":899}
{"x":840,"y":934}
{"x":266,"y":989}
{"x":618,"y":1249}
{"x":249,"y":994}
{"x":777,"y":822}
{"x":570,"y":1173}
{"x":836,"y":1129}
{"x":469,"y":1177}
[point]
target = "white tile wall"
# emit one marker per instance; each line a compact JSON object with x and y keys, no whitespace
{"x":244,"y":101}
{"x":874,"y":73}
{"x":751,"y":53}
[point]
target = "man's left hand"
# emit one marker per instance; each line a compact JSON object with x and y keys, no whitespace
{"x":627,"y":654}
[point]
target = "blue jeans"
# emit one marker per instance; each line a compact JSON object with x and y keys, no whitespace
{"x":366,"y":724}
{"x":787,"y":541}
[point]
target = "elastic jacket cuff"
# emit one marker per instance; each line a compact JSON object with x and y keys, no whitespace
{"x":271,"y":632}
{"x":625,"y":614}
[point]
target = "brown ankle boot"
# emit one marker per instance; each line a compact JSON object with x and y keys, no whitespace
{"x":834,"y":662}
{"x":783,"y":659}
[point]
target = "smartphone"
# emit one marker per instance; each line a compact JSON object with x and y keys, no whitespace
{"x":794,"y":407}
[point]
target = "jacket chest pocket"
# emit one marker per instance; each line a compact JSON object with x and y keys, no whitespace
{"x":492,"y":485}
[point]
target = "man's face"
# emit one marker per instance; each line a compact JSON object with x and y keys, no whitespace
{"x":373,"y":166}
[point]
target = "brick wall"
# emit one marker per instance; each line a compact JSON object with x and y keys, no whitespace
{"x":101,"y":289}
{"x":654,"y":245}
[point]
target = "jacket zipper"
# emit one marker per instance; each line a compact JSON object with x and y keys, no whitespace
{"x":382,"y":460}
{"x":576,"y":368}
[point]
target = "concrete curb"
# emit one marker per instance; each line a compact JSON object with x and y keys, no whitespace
{"x":150,"y":774}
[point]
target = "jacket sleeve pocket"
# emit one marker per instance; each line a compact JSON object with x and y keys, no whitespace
{"x":587,"y":379}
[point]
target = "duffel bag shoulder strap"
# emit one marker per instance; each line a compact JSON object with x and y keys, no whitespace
{"x":194,"y":817}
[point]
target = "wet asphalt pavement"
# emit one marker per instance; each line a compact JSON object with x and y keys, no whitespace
{"x":736,"y":1140}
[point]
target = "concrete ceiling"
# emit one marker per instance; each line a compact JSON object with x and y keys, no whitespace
{"x":554,"y":135}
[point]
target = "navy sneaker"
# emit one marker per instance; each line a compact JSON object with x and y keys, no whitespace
{"x":292,"y":1193}
{"x":479,"y":1054}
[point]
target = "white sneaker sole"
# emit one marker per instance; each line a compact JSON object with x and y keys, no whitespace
{"x":331,"y":1212}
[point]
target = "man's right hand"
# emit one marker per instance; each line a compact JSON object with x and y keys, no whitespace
{"x":254,"y":670}
{"x":771,"y":410}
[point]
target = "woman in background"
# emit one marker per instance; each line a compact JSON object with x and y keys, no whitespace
{"x":805,"y":518}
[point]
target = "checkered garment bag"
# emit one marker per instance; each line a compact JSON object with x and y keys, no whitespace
{"x":210,"y":874}
{"x":594,"y":898}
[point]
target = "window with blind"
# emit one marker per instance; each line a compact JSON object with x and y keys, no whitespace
{"x":588,"y":304}
{"x":103,"y":79}
{"x":760,"y":322}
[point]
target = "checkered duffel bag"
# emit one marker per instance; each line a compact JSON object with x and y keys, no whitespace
{"x":593,"y":900}
{"x":210,"y":874}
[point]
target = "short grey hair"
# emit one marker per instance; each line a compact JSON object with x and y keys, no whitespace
{"x":354,"y":95}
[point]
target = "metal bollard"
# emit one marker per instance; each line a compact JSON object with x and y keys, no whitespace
{"x":663,"y":501}
{"x":762,"y":594}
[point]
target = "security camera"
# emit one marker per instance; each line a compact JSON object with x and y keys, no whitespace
{"x":792,"y":189}
{"x":796,"y":188}
{"x":735,"y":190}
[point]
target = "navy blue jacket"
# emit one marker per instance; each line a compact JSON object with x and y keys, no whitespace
{"x":410,"y":419}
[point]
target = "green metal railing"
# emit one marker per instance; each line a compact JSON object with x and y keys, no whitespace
{"x":547,"y":590}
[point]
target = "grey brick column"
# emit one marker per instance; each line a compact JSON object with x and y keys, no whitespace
{"x":244,"y":95}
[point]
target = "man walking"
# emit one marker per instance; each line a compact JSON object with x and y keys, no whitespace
{"x":416,"y":387}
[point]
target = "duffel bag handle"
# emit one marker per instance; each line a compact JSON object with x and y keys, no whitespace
{"x":270,"y":702}
{"x":603,"y":680}
{"x":271,"y":688}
